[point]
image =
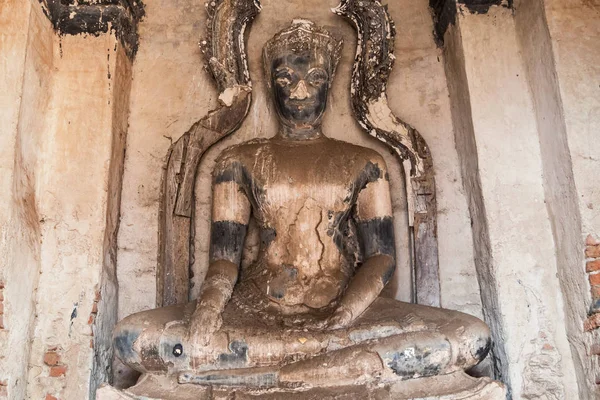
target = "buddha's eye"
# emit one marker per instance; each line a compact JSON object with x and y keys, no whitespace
{"x":283,"y":77}
{"x":283,"y":81}
{"x":317,"y":77}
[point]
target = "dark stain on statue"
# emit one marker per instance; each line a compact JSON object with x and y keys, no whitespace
{"x":124,"y":343}
{"x":227,"y":241}
{"x":389,"y":273}
{"x":237,"y":172}
{"x":482,"y":348}
{"x":267,"y":235}
{"x":342,"y":229}
{"x":238,"y":355}
{"x":415,"y":361}
{"x":377,"y":236}
{"x":284,"y":278}
{"x":370,"y":173}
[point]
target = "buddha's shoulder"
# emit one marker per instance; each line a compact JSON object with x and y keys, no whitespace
{"x":359,"y":153}
{"x":240,"y":152}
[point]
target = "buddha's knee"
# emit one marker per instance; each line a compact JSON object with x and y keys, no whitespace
{"x":474,"y":342}
{"x":151,"y":341}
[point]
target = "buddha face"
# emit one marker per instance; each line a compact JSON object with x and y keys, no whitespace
{"x":300,"y":83}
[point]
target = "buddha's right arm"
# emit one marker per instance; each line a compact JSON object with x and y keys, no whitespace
{"x":230,"y":216}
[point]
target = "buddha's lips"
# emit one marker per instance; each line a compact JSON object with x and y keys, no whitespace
{"x":301,"y":104}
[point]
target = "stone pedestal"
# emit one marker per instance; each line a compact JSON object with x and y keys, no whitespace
{"x":446,"y":387}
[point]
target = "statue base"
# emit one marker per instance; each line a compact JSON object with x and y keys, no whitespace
{"x":453,"y":386}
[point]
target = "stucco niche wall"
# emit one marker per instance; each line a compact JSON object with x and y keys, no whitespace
{"x":171,"y":90}
{"x":64,"y":120}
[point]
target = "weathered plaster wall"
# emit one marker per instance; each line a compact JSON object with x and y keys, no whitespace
{"x":64,"y":113}
{"x":503,"y":162}
{"x":74,"y":182}
{"x":559,"y":184}
{"x":171,"y":91}
{"x":27,"y":45}
{"x":574,"y":27}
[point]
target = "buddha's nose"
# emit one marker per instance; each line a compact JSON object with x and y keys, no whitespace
{"x":300,"y":92}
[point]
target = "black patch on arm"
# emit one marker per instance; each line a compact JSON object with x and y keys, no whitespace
{"x":370,"y":173}
{"x":236,"y":172}
{"x":377,"y":237}
{"x":227,"y":241}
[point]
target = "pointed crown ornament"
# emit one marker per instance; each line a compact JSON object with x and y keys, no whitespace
{"x":304,"y":36}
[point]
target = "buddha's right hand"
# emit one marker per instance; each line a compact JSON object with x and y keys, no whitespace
{"x":204,"y":323}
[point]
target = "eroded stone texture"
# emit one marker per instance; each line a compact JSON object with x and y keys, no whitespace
{"x":449,"y":387}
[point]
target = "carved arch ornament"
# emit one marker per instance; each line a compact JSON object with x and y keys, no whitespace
{"x":224,"y":48}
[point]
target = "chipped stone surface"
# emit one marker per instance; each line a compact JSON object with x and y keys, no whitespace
{"x":457,"y":386}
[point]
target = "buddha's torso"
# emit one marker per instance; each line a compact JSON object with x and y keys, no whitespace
{"x":302,"y":195}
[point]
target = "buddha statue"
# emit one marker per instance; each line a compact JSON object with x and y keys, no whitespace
{"x":309,"y":311}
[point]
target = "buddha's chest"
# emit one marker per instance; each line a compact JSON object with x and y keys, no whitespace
{"x":292,"y":178}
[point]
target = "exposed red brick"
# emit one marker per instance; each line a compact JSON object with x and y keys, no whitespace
{"x":595,"y":350}
{"x":51,"y":358}
{"x":1,"y":321}
{"x":592,"y":251}
{"x":590,"y":240}
{"x":1,"y":294}
{"x":594,"y":279}
{"x":50,"y":397}
{"x":1,"y":307}
{"x":95,"y":308}
{"x":91,"y":319}
{"x":592,"y":266}
{"x":91,"y":343}
{"x":1,"y":284}
{"x":596,"y":292}
{"x":593,"y":322}
{"x":98,"y":296}
{"x":58,"y":370}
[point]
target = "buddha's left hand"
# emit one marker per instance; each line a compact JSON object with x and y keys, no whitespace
{"x":205,"y":322}
{"x":340,"y":319}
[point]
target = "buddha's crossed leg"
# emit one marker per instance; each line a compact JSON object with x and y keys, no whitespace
{"x":390,"y":341}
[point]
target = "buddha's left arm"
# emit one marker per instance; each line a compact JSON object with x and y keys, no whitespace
{"x":373,"y":214}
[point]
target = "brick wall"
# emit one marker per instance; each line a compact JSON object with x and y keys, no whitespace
{"x":592,"y":267}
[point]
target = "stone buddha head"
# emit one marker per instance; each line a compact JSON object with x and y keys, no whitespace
{"x":300,"y":63}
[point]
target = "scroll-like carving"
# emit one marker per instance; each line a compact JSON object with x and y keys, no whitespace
{"x":224,"y":48}
{"x":372,"y":66}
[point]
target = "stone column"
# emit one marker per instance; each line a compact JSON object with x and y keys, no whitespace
{"x":67,"y":100}
{"x":505,"y":156}
{"x":26,"y":54}
{"x":573,"y":29}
